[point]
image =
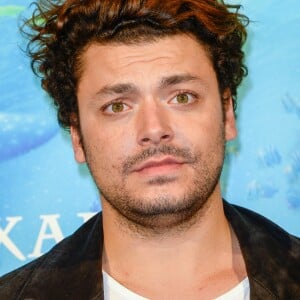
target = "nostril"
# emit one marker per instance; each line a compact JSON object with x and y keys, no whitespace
{"x":145,"y":140}
{"x":155,"y":137}
{"x":164,"y":137}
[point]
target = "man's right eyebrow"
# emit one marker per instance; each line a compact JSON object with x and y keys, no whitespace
{"x":120,"y":88}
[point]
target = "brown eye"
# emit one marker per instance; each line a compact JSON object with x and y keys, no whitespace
{"x":182,"y":98}
{"x":117,"y":107}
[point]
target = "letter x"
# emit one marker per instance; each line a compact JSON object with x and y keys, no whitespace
{"x":4,"y":239}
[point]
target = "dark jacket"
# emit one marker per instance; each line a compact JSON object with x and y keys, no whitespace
{"x":72,"y":269}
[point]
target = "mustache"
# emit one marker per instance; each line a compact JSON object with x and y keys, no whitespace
{"x":183,"y":153}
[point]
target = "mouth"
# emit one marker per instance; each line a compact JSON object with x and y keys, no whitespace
{"x":158,"y":166}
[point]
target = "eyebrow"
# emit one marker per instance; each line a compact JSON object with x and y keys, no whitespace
{"x":129,"y":88}
{"x":120,"y":88}
{"x":177,"y":79}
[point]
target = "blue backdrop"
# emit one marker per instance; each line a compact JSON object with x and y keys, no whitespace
{"x":45,"y":195}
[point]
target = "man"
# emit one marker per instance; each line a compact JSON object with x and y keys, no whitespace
{"x":148,"y":91}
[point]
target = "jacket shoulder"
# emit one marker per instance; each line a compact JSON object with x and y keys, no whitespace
{"x":271,"y":254}
{"x":12,"y":283}
{"x":252,"y":221}
{"x":71,"y":250}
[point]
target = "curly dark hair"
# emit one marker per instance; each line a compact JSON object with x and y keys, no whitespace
{"x":60,"y":31}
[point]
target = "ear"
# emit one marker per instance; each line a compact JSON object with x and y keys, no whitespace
{"x":229,"y":117}
{"x":77,"y":144}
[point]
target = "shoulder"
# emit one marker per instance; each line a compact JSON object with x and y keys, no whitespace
{"x":12,"y":283}
{"x":247,"y":221}
{"x":271,"y":254}
{"x":62,"y":261}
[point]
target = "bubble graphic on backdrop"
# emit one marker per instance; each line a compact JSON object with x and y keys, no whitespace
{"x":19,"y":132}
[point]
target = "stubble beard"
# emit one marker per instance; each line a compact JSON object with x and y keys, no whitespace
{"x":163,"y":213}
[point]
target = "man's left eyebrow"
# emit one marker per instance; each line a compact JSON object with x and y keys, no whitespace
{"x":177,"y":79}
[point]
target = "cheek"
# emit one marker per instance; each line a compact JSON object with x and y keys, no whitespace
{"x":107,"y":149}
{"x":198,"y":130}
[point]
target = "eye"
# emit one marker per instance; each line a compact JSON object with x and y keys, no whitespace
{"x":115,"y":107}
{"x":183,"y":98}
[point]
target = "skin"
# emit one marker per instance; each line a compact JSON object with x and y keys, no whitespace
{"x":152,"y":130}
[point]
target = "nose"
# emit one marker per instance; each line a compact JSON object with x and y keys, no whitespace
{"x":154,"y":125}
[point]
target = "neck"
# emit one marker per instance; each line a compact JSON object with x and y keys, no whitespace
{"x":203,"y":251}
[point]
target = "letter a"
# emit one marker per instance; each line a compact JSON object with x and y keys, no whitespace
{"x":49,"y":221}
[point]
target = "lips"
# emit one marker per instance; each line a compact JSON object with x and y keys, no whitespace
{"x":158,"y":164}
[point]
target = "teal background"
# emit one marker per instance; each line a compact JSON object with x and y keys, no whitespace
{"x":38,"y":175}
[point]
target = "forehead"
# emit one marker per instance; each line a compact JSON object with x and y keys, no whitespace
{"x":145,"y":62}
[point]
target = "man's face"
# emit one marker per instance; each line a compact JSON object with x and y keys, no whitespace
{"x":153,"y":129}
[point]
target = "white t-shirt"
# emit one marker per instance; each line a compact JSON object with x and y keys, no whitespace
{"x":239,"y":292}
{"x":113,"y":290}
